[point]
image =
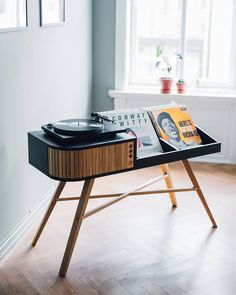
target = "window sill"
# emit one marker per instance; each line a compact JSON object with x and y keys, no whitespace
{"x":203,"y":94}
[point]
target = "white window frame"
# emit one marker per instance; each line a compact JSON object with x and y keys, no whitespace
{"x":122,"y":49}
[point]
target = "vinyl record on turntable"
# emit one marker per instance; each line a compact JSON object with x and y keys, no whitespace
{"x":78,"y":127}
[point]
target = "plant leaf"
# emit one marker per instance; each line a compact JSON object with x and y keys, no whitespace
{"x":159,"y":51}
{"x":179,"y":55}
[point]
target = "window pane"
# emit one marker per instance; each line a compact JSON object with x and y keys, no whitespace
{"x":209,"y":29}
{"x":208,"y":56}
{"x":153,"y":22}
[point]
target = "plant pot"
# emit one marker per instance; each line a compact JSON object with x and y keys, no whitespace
{"x":180,"y":87}
{"x":166,"y":84}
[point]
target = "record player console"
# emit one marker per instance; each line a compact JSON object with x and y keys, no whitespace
{"x":72,"y":150}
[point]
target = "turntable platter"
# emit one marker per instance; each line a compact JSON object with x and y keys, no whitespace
{"x":77,"y":127}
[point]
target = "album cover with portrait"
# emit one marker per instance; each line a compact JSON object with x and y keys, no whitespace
{"x":175,"y":125}
{"x":138,"y":123}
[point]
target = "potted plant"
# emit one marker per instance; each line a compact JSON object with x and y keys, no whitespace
{"x":180,"y":86}
{"x":164,"y":57}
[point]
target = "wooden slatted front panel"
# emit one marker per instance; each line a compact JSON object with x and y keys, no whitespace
{"x":90,"y":162}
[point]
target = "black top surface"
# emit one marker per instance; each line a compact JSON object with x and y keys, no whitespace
{"x":121,"y":137}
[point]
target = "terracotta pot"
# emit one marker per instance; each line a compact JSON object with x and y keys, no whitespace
{"x":180,"y":87}
{"x":166,"y":84}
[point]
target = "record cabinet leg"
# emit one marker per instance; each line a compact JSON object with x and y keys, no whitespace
{"x":199,"y":191}
{"x":51,"y":206}
{"x":169,"y":184}
{"x":88,"y":184}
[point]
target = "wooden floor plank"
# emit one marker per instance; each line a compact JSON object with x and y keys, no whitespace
{"x":139,"y":246}
{"x":12,"y":281}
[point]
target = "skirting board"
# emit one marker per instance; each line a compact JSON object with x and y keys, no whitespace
{"x":21,"y":228}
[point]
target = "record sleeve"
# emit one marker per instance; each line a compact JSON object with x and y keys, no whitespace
{"x":175,"y":125}
{"x":138,"y":123}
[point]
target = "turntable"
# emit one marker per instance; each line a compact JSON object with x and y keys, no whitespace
{"x":81,"y":130}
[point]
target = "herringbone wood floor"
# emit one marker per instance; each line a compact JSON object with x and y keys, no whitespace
{"x":139,"y":246}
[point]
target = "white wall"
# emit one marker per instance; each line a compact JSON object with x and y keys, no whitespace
{"x":104,"y":15}
{"x":45,"y":75}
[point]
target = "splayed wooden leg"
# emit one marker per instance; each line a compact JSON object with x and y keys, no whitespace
{"x":51,"y":206}
{"x":169,"y":184}
{"x":88,"y":184}
{"x":199,"y":191}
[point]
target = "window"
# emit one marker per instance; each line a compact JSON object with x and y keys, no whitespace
{"x":202,"y":31}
